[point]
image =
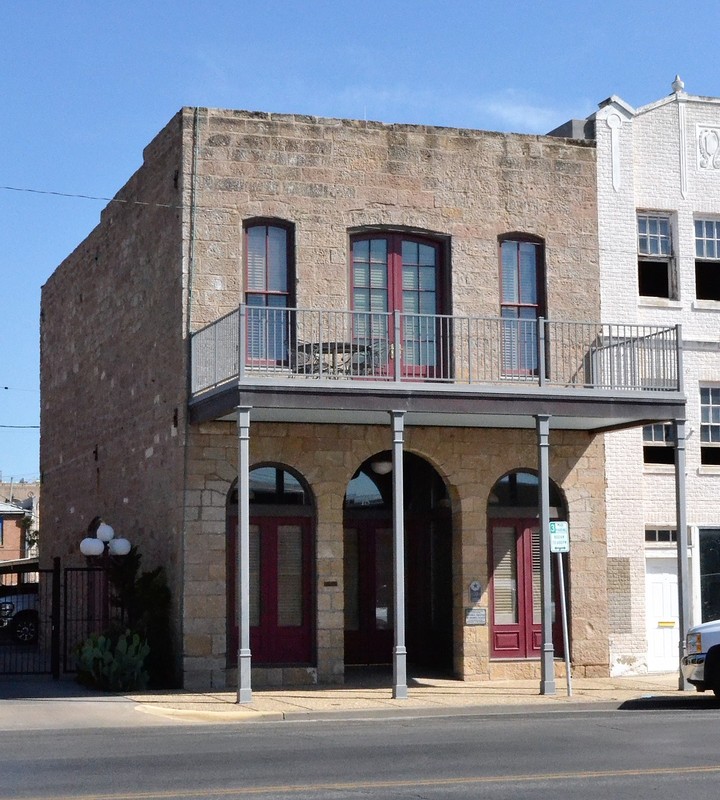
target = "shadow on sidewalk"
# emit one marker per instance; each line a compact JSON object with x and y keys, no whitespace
{"x":35,"y":687}
{"x":683,"y":701}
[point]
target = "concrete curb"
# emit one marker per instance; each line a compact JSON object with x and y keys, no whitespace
{"x":651,"y":703}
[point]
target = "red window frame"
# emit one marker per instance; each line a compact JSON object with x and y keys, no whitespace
{"x":522,"y":303}
{"x":268,"y":274}
{"x":522,"y":639}
{"x":425,"y":342}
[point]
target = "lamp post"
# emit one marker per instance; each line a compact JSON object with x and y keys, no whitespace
{"x":103,"y":544}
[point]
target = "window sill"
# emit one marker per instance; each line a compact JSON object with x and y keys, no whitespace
{"x":706,"y":305}
{"x":658,"y":469}
{"x":659,"y":302}
{"x":709,"y":469}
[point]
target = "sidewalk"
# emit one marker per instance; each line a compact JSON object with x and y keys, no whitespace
{"x":426,"y":697}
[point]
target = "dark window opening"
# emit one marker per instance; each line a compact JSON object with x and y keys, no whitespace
{"x":707,"y":280}
{"x":658,"y":454}
{"x":654,"y":278}
{"x":660,"y":535}
{"x":710,"y":456}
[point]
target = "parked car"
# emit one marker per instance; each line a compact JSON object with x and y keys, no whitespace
{"x":701,"y":665}
{"x":19,"y":612}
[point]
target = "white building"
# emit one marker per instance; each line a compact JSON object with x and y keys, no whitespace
{"x":659,"y":237}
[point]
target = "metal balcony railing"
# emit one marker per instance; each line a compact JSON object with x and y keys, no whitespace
{"x":261,"y":342}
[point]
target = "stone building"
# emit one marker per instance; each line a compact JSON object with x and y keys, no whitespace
{"x":659,"y":234}
{"x":369,"y":357}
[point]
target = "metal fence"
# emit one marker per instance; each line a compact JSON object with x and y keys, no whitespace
{"x":48,"y":613}
{"x":262,"y":342}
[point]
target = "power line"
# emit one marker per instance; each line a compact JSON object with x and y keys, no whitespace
{"x":17,"y":389}
{"x":19,"y":426}
{"x":178,"y":206}
{"x":87,"y":197}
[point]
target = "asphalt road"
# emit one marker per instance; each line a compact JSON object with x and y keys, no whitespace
{"x":590,"y":754}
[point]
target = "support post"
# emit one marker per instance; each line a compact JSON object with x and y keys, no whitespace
{"x":682,"y":546}
{"x":55,"y":621}
{"x":242,"y":582}
{"x":400,"y":691}
{"x":547,"y":676}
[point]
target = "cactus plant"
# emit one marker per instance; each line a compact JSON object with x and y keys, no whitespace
{"x":113,"y":663}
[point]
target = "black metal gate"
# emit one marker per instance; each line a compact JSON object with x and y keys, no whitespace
{"x":45,"y":614}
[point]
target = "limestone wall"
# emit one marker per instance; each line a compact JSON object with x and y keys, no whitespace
{"x":470,"y":462}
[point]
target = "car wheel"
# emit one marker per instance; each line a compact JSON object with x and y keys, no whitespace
{"x":26,"y":628}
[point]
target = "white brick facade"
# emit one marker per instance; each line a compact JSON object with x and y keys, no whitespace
{"x":649,"y":159}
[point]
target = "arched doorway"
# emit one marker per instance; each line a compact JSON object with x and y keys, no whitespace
{"x":281,"y":569}
{"x":368,"y":564}
{"x":514,"y":555}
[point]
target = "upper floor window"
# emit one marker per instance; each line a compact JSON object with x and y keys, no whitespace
{"x":269,"y":272}
{"x":658,"y":444}
{"x":710,"y":425}
{"x":268,"y":264}
{"x":707,"y":259}
{"x":404,"y":272}
{"x":656,"y":276}
{"x":522,"y":296}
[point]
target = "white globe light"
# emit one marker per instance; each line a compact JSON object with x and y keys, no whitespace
{"x":91,"y":547}
{"x":104,"y":532}
{"x":119,"y":547}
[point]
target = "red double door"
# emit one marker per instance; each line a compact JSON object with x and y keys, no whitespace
{"x":281,"y":626}
{"x":516,"y":600}
{"x":369,"y":592}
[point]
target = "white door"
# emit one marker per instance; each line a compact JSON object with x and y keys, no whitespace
{"x":661,"y":611}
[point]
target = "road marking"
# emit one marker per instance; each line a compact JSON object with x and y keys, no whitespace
{"x":245,"y":791}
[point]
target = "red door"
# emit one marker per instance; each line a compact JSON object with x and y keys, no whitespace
{"x":395,"y":273}
{"x":516,"y":601}
{"x":369,"y":600}
{"x":280,"y":590}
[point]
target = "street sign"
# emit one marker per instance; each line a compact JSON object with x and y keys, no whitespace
{"x":559,"y":537}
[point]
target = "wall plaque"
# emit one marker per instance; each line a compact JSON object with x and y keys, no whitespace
{"x":476,"y":616}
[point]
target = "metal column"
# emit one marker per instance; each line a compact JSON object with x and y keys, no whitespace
{"x":547,"y":678}
{"x":682,"y":545}
{"x":400,"y":691}
{"x":242,"y":581}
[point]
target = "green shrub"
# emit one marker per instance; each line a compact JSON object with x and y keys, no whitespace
{"x":144,"y":598}
{"x":114,"y":663}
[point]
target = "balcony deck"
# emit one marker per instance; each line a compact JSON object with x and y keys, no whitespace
{"x":342,"y":366}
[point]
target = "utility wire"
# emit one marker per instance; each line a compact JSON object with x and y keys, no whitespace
{"x":115,"y":199}
{"x":87,"y":197}
{"x":19,"y":426}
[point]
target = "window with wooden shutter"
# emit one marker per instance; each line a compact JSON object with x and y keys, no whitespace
{"x":505,"y":588}
{"x":289,"y":576}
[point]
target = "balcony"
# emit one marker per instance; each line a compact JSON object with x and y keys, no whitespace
{"x":328,"y":355}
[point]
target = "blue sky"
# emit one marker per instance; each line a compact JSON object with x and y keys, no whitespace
{"x":86,"y":85}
